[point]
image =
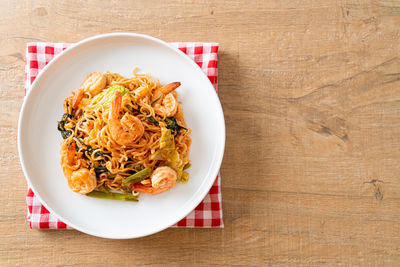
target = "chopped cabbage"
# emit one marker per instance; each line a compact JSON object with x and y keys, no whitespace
{"x":107,"y":96}
{"x":168,"y":152}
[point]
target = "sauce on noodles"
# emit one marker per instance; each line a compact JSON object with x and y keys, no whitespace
{"x":123,"y":136}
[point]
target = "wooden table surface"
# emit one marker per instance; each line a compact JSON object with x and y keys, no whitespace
{"x":311,"y":95}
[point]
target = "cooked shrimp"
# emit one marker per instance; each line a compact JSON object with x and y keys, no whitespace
{"x":80,"y":180}
{"x":166,"y":89}
{"x":168,"y":106}
{"x":93,"y":84}
{"x":68,"y":159}
{"x":162,"y":179}
{"x":126,"y":130}
{"x":165,"y":103}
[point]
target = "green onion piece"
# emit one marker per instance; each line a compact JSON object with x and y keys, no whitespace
{"x":115,"y":196}
{"x":187,"y":166}
{"x":138,"y":177}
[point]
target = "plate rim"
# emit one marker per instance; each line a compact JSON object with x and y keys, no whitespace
{"x":22,"y":115}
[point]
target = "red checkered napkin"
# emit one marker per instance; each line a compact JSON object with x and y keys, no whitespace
{"x":207,"y":214}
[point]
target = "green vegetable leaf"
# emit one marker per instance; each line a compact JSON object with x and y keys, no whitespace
{"x":100,"y":169}
{"x":108,"y":94}
{"x":168,"y":152}
{"x":153,"y":120}
{"x":173,"y":125}
{"x":61,"y":124}
{"x":88,"y":148}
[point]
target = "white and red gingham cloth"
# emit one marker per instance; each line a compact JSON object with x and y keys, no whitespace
{"x":207,"y":214}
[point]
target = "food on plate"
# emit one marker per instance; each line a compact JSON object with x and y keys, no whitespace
{"x":124,"y":136}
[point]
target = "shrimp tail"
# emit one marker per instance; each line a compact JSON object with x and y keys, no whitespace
{"x":168,"y":88}
{"x":71,"y":153}
{"x":142,"y":188}
{"x":77,"y":98}
{"x":162,"y":179}
{"x":116,"y":105}
{"x":93,"y":84}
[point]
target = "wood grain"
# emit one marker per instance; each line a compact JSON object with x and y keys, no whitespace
{"x":311,"y":95}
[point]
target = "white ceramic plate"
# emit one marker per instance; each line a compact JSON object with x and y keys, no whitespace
{"x":39,"y":140}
